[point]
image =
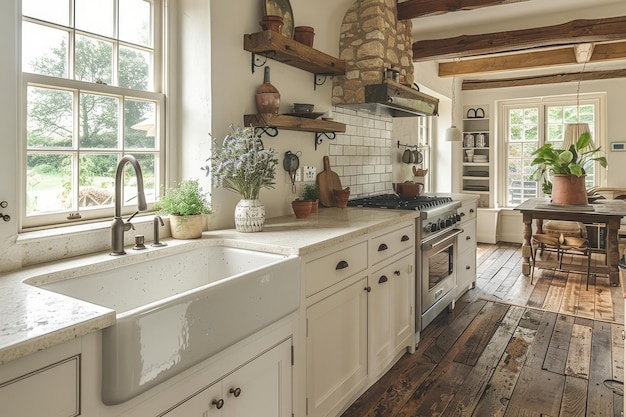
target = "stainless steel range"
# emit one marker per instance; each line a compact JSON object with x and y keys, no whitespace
{"x":435,"y":257}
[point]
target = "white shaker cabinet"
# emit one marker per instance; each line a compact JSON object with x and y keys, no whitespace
{"x":466,"y":256}
{"x":260,"y":388}
{"x":359,"y":315}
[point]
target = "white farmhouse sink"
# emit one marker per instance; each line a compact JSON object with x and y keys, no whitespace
{"x":176,"y":310}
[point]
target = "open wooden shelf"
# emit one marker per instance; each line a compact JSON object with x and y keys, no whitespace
{"x":282,"y":49}
{"x":301,"y":124}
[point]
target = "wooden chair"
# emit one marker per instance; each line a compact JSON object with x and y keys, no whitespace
{"x":561,"y":245}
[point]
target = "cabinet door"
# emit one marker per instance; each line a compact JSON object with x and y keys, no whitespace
{"x":261,"y":388}
{"x":336,"y":348}
{"x":200,"y":404}
{"x":403,"y":296}
{"x":465,"y":272}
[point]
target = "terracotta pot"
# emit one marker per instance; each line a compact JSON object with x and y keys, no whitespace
{"x":314,"y":205}
{"x":186,"y":228}
{"x":569,"y":189}
{"x":273,"y":23}
{"x":341,"y":197}
{"x":405,"y":189}
{"x":301,"y":208}
{"x":304,"y":35}
{"x":267,"y":96}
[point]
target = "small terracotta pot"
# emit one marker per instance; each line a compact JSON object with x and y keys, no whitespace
{"x":314,"y":205}
{"x":273,"y":23}
{"x":341,"y":197}
{"x":301,"y":208}
{"x":304,"y":35}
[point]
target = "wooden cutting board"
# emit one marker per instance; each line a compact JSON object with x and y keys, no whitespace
{"x":328,"y":181}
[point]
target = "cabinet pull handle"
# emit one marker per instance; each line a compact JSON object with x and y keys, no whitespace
{"x":382,"y":279}
{"x":341,"y":265}
{"x":368,"y":288}
{"x":462,"y":214}
{"x":404,"y":238}
{"x":218,"y":403}
{"x":468,"y":237}
{"x":235,"y":391}
{"x":382,"y":247}
{"x":396,"y":273}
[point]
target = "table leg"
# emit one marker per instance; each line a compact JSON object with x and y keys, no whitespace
{"x":526,"y":248}
{"x":612,"y":250}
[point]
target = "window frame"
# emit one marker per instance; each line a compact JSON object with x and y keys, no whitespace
{"x":598,"y":100}
{"x":156,"y":95}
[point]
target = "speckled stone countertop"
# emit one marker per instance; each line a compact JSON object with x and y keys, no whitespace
{"x":32,"y":319}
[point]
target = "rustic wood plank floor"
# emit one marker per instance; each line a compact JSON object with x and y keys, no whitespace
{"x":512,"y":349}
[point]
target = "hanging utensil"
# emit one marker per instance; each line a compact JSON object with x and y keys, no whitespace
{"x":291,"y":163}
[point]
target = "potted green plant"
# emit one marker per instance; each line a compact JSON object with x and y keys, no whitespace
{"x":242,"y":165}
{"x":566,"y":167}
{"x":312,"y":192}
{"x":185,"y":204}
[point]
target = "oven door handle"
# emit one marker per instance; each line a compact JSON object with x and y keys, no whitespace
{"x":435,"y":240}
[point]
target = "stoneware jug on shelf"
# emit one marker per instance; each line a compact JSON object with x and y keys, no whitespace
{"x":267,"y":96}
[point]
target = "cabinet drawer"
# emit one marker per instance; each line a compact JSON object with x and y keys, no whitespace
{"x":466,"y":272}
{"x":468,"y":211}
{"x":323,"y":272}
{"x":391,"y":243}
{"x":467,"y":239}
{"x":55,"y":387}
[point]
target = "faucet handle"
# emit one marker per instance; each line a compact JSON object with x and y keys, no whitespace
{"x":131,"y":217}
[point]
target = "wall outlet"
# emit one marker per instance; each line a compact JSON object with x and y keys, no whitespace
{"x":309,"y":173}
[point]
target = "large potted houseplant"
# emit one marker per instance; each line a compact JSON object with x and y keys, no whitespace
{"x":242,"y":165}
{"x":566,"y":169}
{"x":185,"y":204}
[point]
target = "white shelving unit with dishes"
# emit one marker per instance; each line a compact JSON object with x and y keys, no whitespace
{"x":478,"y":172}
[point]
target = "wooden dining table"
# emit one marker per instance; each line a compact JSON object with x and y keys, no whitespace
{"x":606,"y":213}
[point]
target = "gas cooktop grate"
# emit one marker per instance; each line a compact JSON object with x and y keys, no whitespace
{"x":393,"y":201}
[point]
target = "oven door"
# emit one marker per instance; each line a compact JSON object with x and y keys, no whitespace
{"x":438,"y":269}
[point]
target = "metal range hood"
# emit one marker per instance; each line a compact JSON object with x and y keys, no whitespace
{"x":396,"y":100}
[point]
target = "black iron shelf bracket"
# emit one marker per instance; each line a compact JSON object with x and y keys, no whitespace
{"x":268,"y":54}
{"x":320,"y":79}
{"x":270,"y":131}
{"x":406,"y":145}
{"x":318,"y":137}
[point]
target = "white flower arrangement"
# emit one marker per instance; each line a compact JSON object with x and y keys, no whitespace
{"x":242,"y":164}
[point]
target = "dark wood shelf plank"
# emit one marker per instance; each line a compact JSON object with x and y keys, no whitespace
{"x":301,"y":124}
{"x":282,"y":49}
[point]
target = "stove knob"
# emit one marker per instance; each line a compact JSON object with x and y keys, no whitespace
{"x":458,"y":217}
{"x":427,"y":228}
{"x":453,"y":219}
{"x":448,"y":222}
{"x":434,"y":227}
{"x":442,"y":224}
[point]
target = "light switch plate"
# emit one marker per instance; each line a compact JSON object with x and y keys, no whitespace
{"x":309,"y":173}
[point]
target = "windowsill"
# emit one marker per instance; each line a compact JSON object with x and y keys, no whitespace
{"x":64,"y":231}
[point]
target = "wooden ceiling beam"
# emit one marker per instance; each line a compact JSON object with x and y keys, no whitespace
{"x":544,"y":79}
{"x":529,"y":60}
{"x":412,"y":9}
{"x":576,"y":31}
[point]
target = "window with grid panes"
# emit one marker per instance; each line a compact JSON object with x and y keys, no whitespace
{"x":92,"y":94}
{"x":529,"y":125}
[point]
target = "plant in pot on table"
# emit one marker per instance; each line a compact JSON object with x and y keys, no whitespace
{"x":185,"y":204}
{"x":312,"y":192}
{"x":242,"y":165}
{"x":566,"y":168}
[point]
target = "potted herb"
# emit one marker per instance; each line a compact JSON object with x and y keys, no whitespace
{"x":242,"y":165}
{"x":312,"y":192}
{"x":185,"y":204}
{"x":566,"y":167}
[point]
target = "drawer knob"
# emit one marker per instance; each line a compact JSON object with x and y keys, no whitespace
{"x":341,"y":265}
{"x":368,"y":289}
{"x":235,"y":391}
{"x":382,"y":279}
{"x":468,"y":267}
{"x":471,"y":210}
{"x":396,"y":273}
{"x":468,"y":237}
{"x":382,"y":247}
{"x":404,"y":238}
{"x":218,"y":403}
